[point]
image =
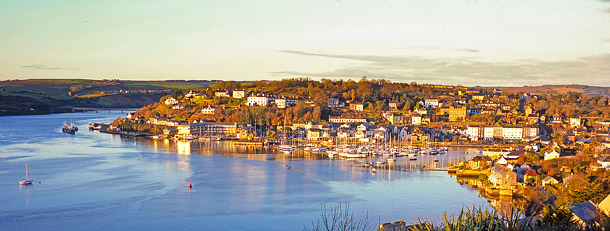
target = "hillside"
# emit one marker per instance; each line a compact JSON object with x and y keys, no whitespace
{"x":562,"y":89}
{"x":42,"y":96}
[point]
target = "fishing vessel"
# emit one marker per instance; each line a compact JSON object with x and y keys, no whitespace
{"x":27,"y":179}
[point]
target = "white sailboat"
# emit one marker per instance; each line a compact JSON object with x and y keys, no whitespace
{"x":27,"y":179}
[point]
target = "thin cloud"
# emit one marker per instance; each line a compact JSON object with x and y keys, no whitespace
{"x":467,"y":50}
{"x":607,"y":10}
{"x":593,"y":70}
{"x":46,"y":68}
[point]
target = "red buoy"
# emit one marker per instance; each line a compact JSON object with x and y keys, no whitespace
{"x":190,"y":185}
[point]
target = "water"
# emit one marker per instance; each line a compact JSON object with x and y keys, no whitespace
{"x":96,"y":181}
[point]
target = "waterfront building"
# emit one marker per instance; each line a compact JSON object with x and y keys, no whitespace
{"x":208,"y":129}
{"x":502,"y":177}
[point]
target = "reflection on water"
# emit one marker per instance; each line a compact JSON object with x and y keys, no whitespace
{"x":504,"y":205}
{"x":105,"y":182}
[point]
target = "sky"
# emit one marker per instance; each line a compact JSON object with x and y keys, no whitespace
{"x":451,"y":42}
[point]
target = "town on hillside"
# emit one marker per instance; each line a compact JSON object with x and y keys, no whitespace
{"x":546,"y":148}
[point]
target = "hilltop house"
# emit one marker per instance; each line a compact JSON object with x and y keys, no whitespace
{"x":238,"y":94}
{"x":171,"y":101}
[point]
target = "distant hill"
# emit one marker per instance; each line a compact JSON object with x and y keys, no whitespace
{"x":42,"y":96}
{"x":562,"y":89}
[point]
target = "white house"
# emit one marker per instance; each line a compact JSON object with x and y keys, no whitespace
{"x":210,"y":110}
{"x":171,"y":101}
{"x":551,"y":155}
{"x":604,"y":161}
{"x":415,"y":119}
{"x":257,"y":101}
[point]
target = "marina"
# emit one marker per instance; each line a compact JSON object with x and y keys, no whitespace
{"x":105,"y":181}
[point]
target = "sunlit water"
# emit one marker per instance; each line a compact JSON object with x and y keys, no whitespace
{"x":96,"y":181}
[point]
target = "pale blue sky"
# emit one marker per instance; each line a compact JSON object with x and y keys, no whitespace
{"x":468,"y":42}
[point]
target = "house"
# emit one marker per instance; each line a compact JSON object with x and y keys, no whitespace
{"x":502,"y":177}
{"x":575,"y":121}
{"x":585,"y":213}
{"x":393,"y":117}
{"x":457,"y":114}
{"x":171,"y":101}
{"x":604,"y":206}
{"x":575,"y":183}
{"x":557,"y":119}
{"x":415,"y":119}
{"x":130,"y":115}
{"x":169,"y":131}
{"x":335,"y":103}
{"x":238,"y":94}
{"x":393,"y":105}
{"x":480,"y":162}
{"x":551,"y":155}
{"x":502,"y":161}
{"x":314,"y":134}
{"x":178,"y":107}
{"x":356,"y":107}
{"x":209,"y":110}
{"x":381,"y":133}
{"x":479,"y":97}
{"x":260,"y":100}
{"x":604,"y":161}
{"x":530,"y":176}
{"x":431,"y":103}
{"x":224,"y":93}
{"x":549,"y":180}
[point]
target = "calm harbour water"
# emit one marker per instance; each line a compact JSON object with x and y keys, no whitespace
{"x":96,"y":181}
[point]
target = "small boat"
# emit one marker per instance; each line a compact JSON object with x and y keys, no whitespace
{"x":373,"y":170}
{"x":412,"y":158}
{"x":435,"y":160}
{"x":72,"y":129}
{"x":391,"y":160}
{"x":27,"y":179}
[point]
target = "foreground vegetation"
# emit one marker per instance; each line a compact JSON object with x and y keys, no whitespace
{"x":552,"y":219}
